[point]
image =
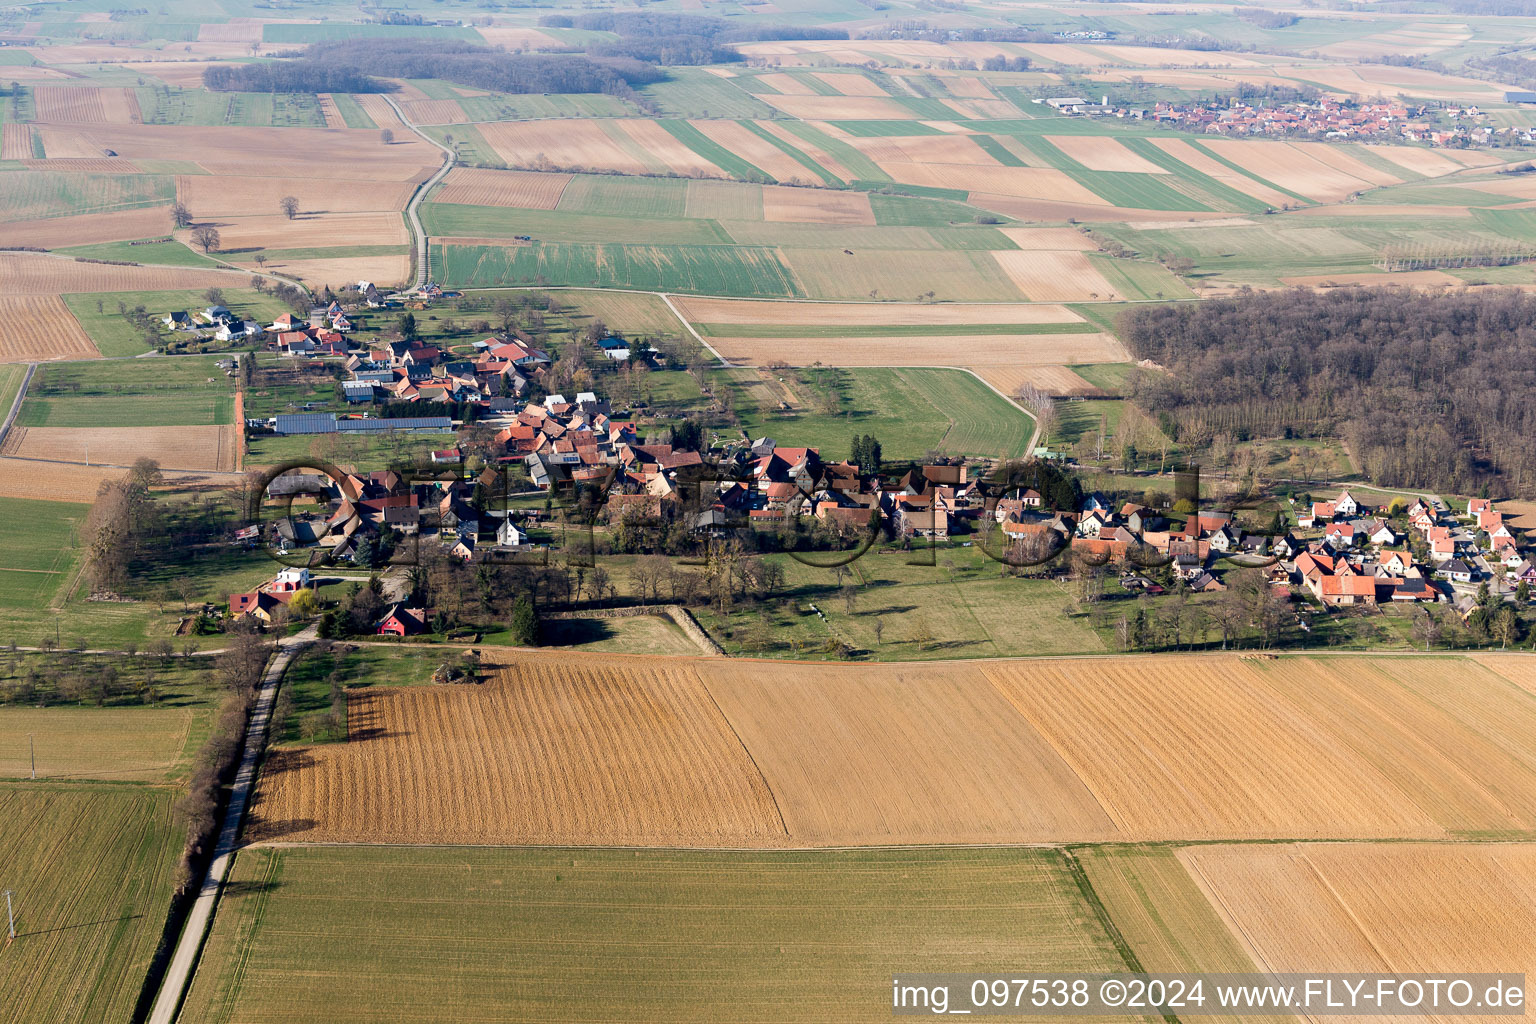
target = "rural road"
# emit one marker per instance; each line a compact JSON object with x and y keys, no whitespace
{"x":173,"y":987}
{"x":21,"y":393}
{"x":410,"y":208}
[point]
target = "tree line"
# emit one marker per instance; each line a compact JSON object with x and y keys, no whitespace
{"x":1429,"y":390}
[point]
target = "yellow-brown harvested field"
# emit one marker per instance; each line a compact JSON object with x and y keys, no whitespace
{"x":816,"y":206}
{"x":69,"y":144}
{"x":851,"y":83}
{"x":83,"y":165}
{"x":236,"y":30}
{"x":54,"y":481}
{"x":1054,"y":380}
{"x":1406,"y":278}
{"x":979,"y":352}
{"x":876,"y":754}
{"x":968,"y":87}
{"x":139,"y":745}
{"x":293,"y":153}
{"x":684,"y":751}
{"x":119,"y":225}
{"x":787,"y":85}
{"x":384,"y":271}
{"x":982,"y":109}
{"x":1393,"y":908}
{"x":434,"y":111}
{"x":24,"y":273}
{"x":1197,"y":159}
{"x":1055,"y":276}
{"x":512,"y":38}
{"x":1102,"y":153}
{"x":380,"y":112}
{"x":333,"y":118}
{"x":1429,"y":162}
{"x":867,"y":314}
{"x":526,"y":190}
{"x":190,"y":448}
{"x":604,"y":749}
{"x":307,"y":230}
{"x":1033,"y":183}
{"x":1290,"y":168}
{"x":924,"y":149}
{"x":816,"y":153}
{"x":35,"y":328}
{"x":68,"y":104}
{"x":664,"y":147}
{"x":839,"y":108}
{"x":15,"y":141}
{"x":564,"y":144}
{"x":1519,"y":669}
{"x":207,"y":196}
{"x":1064,"y":239}
{"x":759,"y":152}
{"x":1341,"y":160}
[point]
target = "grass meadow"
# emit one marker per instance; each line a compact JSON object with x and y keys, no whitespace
{"x":168,"y":392}
{"x":114,"y":335}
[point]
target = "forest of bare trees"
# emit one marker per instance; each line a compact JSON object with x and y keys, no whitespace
{"x":1428,"y":390}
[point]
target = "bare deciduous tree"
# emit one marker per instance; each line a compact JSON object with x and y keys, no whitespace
{"x":206,"y":239}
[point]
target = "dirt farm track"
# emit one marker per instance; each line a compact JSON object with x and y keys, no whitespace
{"x":633,"y":750}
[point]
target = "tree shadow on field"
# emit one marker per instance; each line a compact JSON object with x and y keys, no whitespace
{"x":363,"y":724}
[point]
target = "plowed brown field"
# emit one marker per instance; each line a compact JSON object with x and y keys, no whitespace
{"x":867,"y":314}
{"x":526,"y":190}
{"x":66,"y":104}
{"x":208,"y":196}
{"x":15,"y":142}
{"x":53,"y":481}
{"x":759,"y":152}
{"x":816,"y":206}
{"x":636,"y":750}
{"x":1398,"y":908}
{"x":118,"y":225}
{"x":34,"y":328}
{"x":191,"y":448}
{"x":25,"y":273}
{"x":612,"y":750}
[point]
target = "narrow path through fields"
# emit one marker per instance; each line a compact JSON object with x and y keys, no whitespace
{"x":412,"y":220}
{"x":178,"y":975}
{"x":21,"y":394}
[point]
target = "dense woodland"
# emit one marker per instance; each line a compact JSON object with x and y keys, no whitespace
{"x":1429,"y":390}
{"x":482,"y":67}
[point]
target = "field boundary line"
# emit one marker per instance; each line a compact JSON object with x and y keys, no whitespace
{"x":745,"y":750}
{"x":21,"y":394}
{"x":688,"y":326}
{"x":189,"y":945}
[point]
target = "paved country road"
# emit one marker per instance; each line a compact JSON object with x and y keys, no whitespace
{"x":173,"y":987}
{"x":411,"y":207}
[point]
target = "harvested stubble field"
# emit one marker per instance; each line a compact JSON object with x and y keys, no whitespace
{"x":924,"y":149}
{"x":1102,"y":153}
{"x":116,"y":226}
{"x":127,"y":744}
{"x":384,"y":271}
{"x":278,"y":152}
{"x":211,"y":449}
{"x":528,"y":190}
{"x":58,"y":104}
{"x":53,"y":481}
{"x":34,"y":328}
{"x":816,"y":206}
{"x":511,"y":761}
{"x":312,"y":229}
{"x":208,"y":196}
{"x":1289,"y":167}
{"x":981,"y":352}
{"x":758,"y":151}
{"x":1056,"y":276}
{"x":868,"y":314}
{"x":35,"y":274}
{"x":1393,"y":908}
{"x":15,"y":141}
{"x":663,"y":751}
{"x":566,"y":936}
{"x":92,"y":871}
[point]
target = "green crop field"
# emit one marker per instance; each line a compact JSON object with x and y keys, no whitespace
{"x":351,"y":111}
{"x":33,"y":194}
{"x":198,"y":107}
{"x":626,"y":312}
{"x":1137,"y":191}
{"x":332,"y":934}
{"x":454,"y":219}
{"x":92,"y":874}
{"x":37,"y":550}
{"x":169,"y":253}
{"x":904,"y":211}
{"x":11,"y":376}
{"x":953,"y":276}
{"x":168,"y":392}
{"x":694,"y":92}
{"x":912,"y":411}
{"x":712,"y":151}
{"x":115,"y":335}
{"x":700,"y":269}
{"x":803,"y":158}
